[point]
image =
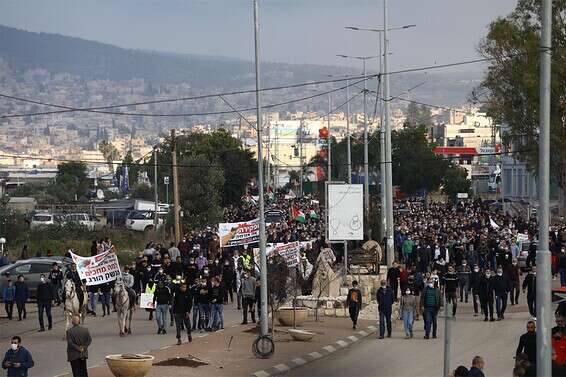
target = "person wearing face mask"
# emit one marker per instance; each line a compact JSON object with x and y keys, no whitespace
{"x":486,"y":295}
{"x":464,"y":280}
{"x":44,"y":297}
{"x":408,"y":308}
{"x":513,"y":273}
{"x":450,"y":288}
{"x":430,"y":305}
{"x":228,"y":276}
{"x":160,"y":276}
{"x":474,"y":286}
{"x":17,"y":359}
{"x":530,"y":286}
{"x":248,"y":296}
{"x":191,"y":272}
{"x":385,"y":298}
{"x":354,"y":303}
{"x":501,"y":287}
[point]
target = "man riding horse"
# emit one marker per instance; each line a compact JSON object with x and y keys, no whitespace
{"x":73,"y":275}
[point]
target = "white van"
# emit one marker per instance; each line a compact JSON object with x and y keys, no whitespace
{"x":42,"y":219}
{"x":142,"y":221}
{"x":83,"y":219}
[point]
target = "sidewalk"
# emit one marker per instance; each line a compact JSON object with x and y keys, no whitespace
{"x":238,"y":360}
{"x":31,"y":323}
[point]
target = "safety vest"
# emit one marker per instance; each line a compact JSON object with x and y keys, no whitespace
{"x":150,"y":290}
{"x":246,"y":261}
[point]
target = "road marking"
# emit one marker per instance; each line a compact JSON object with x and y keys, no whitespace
{"x":261,"y":373}
{"x":363,"y":333}
{"x":236,"y":326}
{"x":342,"y":343}
{"x":330,"y":349}
{"x":282,"y":367}
{"x":164,"y":348}
{"x":315,"y":355}
{"x":299,"y":361}
{"x":353,"y":338}
{"x":373,"y":328}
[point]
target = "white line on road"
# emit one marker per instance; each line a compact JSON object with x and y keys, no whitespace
{"x":299,"y":361}
{"x":330,"y":349}
{"x":315,"y":355}
{"x":353,"y":338}
{"x":282,"y":367}
{"x":342,"y":343}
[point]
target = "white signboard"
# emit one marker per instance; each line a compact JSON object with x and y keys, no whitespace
{"x":146,"y":301}
{"x":101,"y":268}
{"x":462,"y":195}
{"x":345,"y":212}
{"x":235,"y":234}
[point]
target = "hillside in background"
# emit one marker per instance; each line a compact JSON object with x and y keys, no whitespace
{"x":24,"y":51}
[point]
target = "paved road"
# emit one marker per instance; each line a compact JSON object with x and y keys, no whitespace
{"x":397,"y":357}
{"x":49,"y":349}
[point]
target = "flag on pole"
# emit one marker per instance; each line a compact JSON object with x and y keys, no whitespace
{"x":493,"y":224}
{"x":270,"y":193}
{"x":313,"y":214}
{"x":297,"y":214}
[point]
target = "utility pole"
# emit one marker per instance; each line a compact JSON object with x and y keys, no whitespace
{"x":268,"y":157}
{"x":349,"y":154}
{"x":329,"y":141}
{"x":263,"y":255}
{"x":388,"y":166}
{"x":301,"y":157}
{"x":176,"y":207}
{"x":155,"y":198}
{"x":543,"y":286}
{"x":366,"y":158}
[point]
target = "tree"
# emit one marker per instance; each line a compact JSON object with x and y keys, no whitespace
{"x":455,"y":180}
{"x":71,"y":182}
{"x":109,"y":151}
{"x":415,"y":166}
{"x":510,"y":89}
{"x":142,"y":191}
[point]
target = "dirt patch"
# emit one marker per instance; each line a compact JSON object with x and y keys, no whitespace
{"x":189,"y":361}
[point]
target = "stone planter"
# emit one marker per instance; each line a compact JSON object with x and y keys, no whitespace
{"x":129,"y":365}
{"x":285,"y":316}
{"x":301,"y":335}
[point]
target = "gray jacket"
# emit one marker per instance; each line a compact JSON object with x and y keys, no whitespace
{"x":248,"y":287}
{"x":408,"y":303}
{"x":77,"y":336}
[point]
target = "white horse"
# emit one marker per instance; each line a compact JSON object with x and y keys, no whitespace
{"x":125,"y":307}
{"x":72,"y":303}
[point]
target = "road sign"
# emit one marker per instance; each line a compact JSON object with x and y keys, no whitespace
{"x":462,"y":195}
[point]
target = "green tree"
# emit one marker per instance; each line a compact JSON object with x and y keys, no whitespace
{"x":510,"y":89}
{"x":109,"y":151}
{"x":415,"y":166}
{"x":71,"y":182}
{"x":455,"y":180}
{"x":142,"y":191}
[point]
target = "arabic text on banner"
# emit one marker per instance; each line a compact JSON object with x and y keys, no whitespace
{"x":99,"y":269}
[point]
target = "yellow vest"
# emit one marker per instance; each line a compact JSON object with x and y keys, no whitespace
{"x":150,"y":290}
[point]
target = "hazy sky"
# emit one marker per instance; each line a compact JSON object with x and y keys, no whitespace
{"x":294,"y":31}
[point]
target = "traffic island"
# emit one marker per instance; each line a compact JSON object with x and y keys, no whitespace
{"x":228,"y":352}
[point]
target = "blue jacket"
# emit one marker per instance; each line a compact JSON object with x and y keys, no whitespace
{"x":21,"y":356}
{"x":22,"y":291}
{"x":9,"y":293}
{"x":385,"y":299}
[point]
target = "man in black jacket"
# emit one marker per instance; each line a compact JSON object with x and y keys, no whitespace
{"x":475,"y":277}
{"x":501,"y":287}
{"x":161,"y":300}
{"x":44,"y":300}
{"x":393,"y":275}
{"x":182,"y":304}
{"x":451,"y":287}
{"x":354,"y":302}
{"x":486,"y":295}
{"x":385,"y":300}
{"x":528,"y":343}
{"x":530,"y":285}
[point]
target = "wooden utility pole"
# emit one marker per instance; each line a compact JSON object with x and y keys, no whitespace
{"x":176,"y":207}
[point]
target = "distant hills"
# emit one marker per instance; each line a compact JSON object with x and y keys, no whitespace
{"x":24,"y":50}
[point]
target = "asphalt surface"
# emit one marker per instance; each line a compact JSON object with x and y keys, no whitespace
{"x":398,"y":357}
{"x":49,"y":350}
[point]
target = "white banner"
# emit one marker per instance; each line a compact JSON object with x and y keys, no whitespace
{"x":235,"y":234}
{"x":345,"y":212}
{"x":289,"y":251}
{"x":101,"y":268}
{"x":146,"y":301}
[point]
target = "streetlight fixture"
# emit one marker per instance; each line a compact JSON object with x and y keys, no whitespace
{"x":2,"y":242}
{"x":366,"y":158}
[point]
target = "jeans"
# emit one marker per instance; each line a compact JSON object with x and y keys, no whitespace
{"x":487,"y":307}
{"x":464,"y":290}
{"x":92,"y":299}
{"x":204,"y":315}
{"x":41,"y":307}
{"x":453,"y":298}
{"x":161,"y":315}
{"x":9,"y":306}
{"x":216,"y":317}
{"x":196,"y":316}
{"x":408,"y":317}
{"x":430,"y":315}
{"x":106,"y":302}
{"x":384,"y":318}
{"x":514,"y":294}
{"x":562,"y":272}
{"x":22,"y":312}
{"x":501,"y":304}
{"x":182,"y":319}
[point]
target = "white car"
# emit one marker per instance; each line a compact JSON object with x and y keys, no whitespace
{"x":142,"y":221}
{"x":43,"y":219}
{"x":83,"y":219}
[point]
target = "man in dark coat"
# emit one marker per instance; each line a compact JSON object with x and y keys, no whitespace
{"x":385,"y":300}
{"x":182,"y":304}
{"x":44,"y":300}
{"x":78,"y":341}
{"x":17,"y":359}
{"x":354,"y":302}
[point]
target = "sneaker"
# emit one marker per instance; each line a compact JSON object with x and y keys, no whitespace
{"x":41,"y":330}
{"x":163,"y":332}
{"x":426,"y":337}
{"x":190,"y":338}
{"x":381,"y":337}
{"x":407,"y":337}
{"x":492,"y":319}
{"x":534,"y":318}
{"x":244,"y":323}
{"x":485,"y":319}
{"x":159,"y":331}
{"x":475,"y":314}
{"x":179,"y":341}
{"x":434,"y":337}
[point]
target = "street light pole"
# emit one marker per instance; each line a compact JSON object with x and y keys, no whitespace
{"x":155,"y":198}
{"x":329,"y":140}
{"x":348,"y":140}
{"x":388,"y":172}
{"x":263,"y":256}
{"x":544,"y":279}
{"x":366,"y":158}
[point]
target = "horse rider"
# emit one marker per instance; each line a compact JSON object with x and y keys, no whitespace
{"x":73,"y":275}
{"x":128,"y":280}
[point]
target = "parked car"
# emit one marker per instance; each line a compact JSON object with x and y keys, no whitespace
{"x":44,"y":219}
{"x":143,"y":221}
{"x":83,"y":219}
{"x":32,"y":269}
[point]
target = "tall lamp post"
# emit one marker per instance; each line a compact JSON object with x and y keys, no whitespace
{"x":366,"y":159}
{"x":387,"y":184}
{"x":2,"y":242}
